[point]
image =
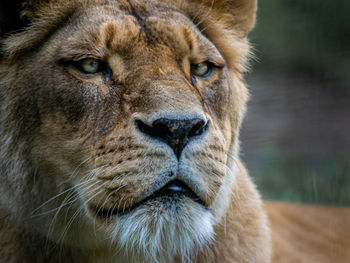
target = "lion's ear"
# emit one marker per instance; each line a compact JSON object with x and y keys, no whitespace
{"x":17,"y":14}
{"x":241,"y":14}
{"x":11,"y":16}
{"x":238,"y":15}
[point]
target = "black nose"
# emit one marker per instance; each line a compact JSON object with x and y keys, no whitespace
{"x":176,"y":133}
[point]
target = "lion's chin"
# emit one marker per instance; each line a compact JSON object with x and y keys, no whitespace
{"x":161,"y":230}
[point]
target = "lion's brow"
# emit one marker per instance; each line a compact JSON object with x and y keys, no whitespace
{"x":138,"y":18}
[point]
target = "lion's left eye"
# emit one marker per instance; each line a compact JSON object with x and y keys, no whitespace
{"x":89,"y":65}
{"x":202,"y":70}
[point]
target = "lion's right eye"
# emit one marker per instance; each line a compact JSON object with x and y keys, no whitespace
{"x":202,"y":70}
{"x":89,"y":65}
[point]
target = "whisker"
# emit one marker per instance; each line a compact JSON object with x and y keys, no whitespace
{"x":75,"y":171}
{"x":76,"y":214}
{"x":68,"y":200}
{"x":60,"y":194}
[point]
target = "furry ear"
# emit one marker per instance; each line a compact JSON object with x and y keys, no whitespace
{"x":17,"y":14}
{"x":241,"y":14}
{"x":31,"y":7}
{"x":11,"y":18}
{"x":226,"y":23}
{"x":238,"y":15}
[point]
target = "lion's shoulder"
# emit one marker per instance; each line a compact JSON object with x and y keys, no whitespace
{"x":309,"y":233}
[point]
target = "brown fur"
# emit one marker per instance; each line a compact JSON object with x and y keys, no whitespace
{"x":70,"y":145}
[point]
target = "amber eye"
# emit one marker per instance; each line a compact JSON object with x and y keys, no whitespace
{"x":89,"y":65}
{"x":202,"y":70}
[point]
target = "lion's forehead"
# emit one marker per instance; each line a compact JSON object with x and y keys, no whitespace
{"x":169,"y":33}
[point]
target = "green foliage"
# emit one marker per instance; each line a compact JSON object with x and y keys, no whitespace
{"x":282,"y":176}
{"x":307,"y":41}
{"x":305,"y":36}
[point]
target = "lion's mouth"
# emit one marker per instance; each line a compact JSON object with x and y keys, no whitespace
{"x":172,"y":191}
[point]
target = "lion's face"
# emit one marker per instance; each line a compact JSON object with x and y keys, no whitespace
{"x":130,"y":113}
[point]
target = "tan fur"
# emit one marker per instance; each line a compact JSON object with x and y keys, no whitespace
{"x":310,"y":234}
{"x":70,"y":144}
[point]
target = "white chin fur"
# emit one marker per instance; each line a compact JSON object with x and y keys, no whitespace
{"x":163,"y":231}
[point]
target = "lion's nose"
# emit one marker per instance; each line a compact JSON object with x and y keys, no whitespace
{"x":176,"y":133}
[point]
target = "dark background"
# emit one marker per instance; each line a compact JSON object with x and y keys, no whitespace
{"x":296,"y":135}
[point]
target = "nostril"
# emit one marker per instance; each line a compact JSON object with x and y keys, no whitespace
{"x":176,"y":133}
{"x":142,"y":126}
{"x":161,"y":129}
{"x":156,"y":130}
{"x":199,"y":127}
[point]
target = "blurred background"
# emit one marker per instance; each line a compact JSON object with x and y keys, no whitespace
{"x":296,"y":135}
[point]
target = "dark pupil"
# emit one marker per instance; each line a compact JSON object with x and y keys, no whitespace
{"x":93,"y":64}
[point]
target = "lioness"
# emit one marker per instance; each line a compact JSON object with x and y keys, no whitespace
{"x":119,"y":133}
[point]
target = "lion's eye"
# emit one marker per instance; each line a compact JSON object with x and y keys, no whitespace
{"x":89,"y":65}
{"x":202,"y":70}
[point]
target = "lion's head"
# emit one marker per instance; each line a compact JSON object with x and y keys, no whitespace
{"x":119,"y":124}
